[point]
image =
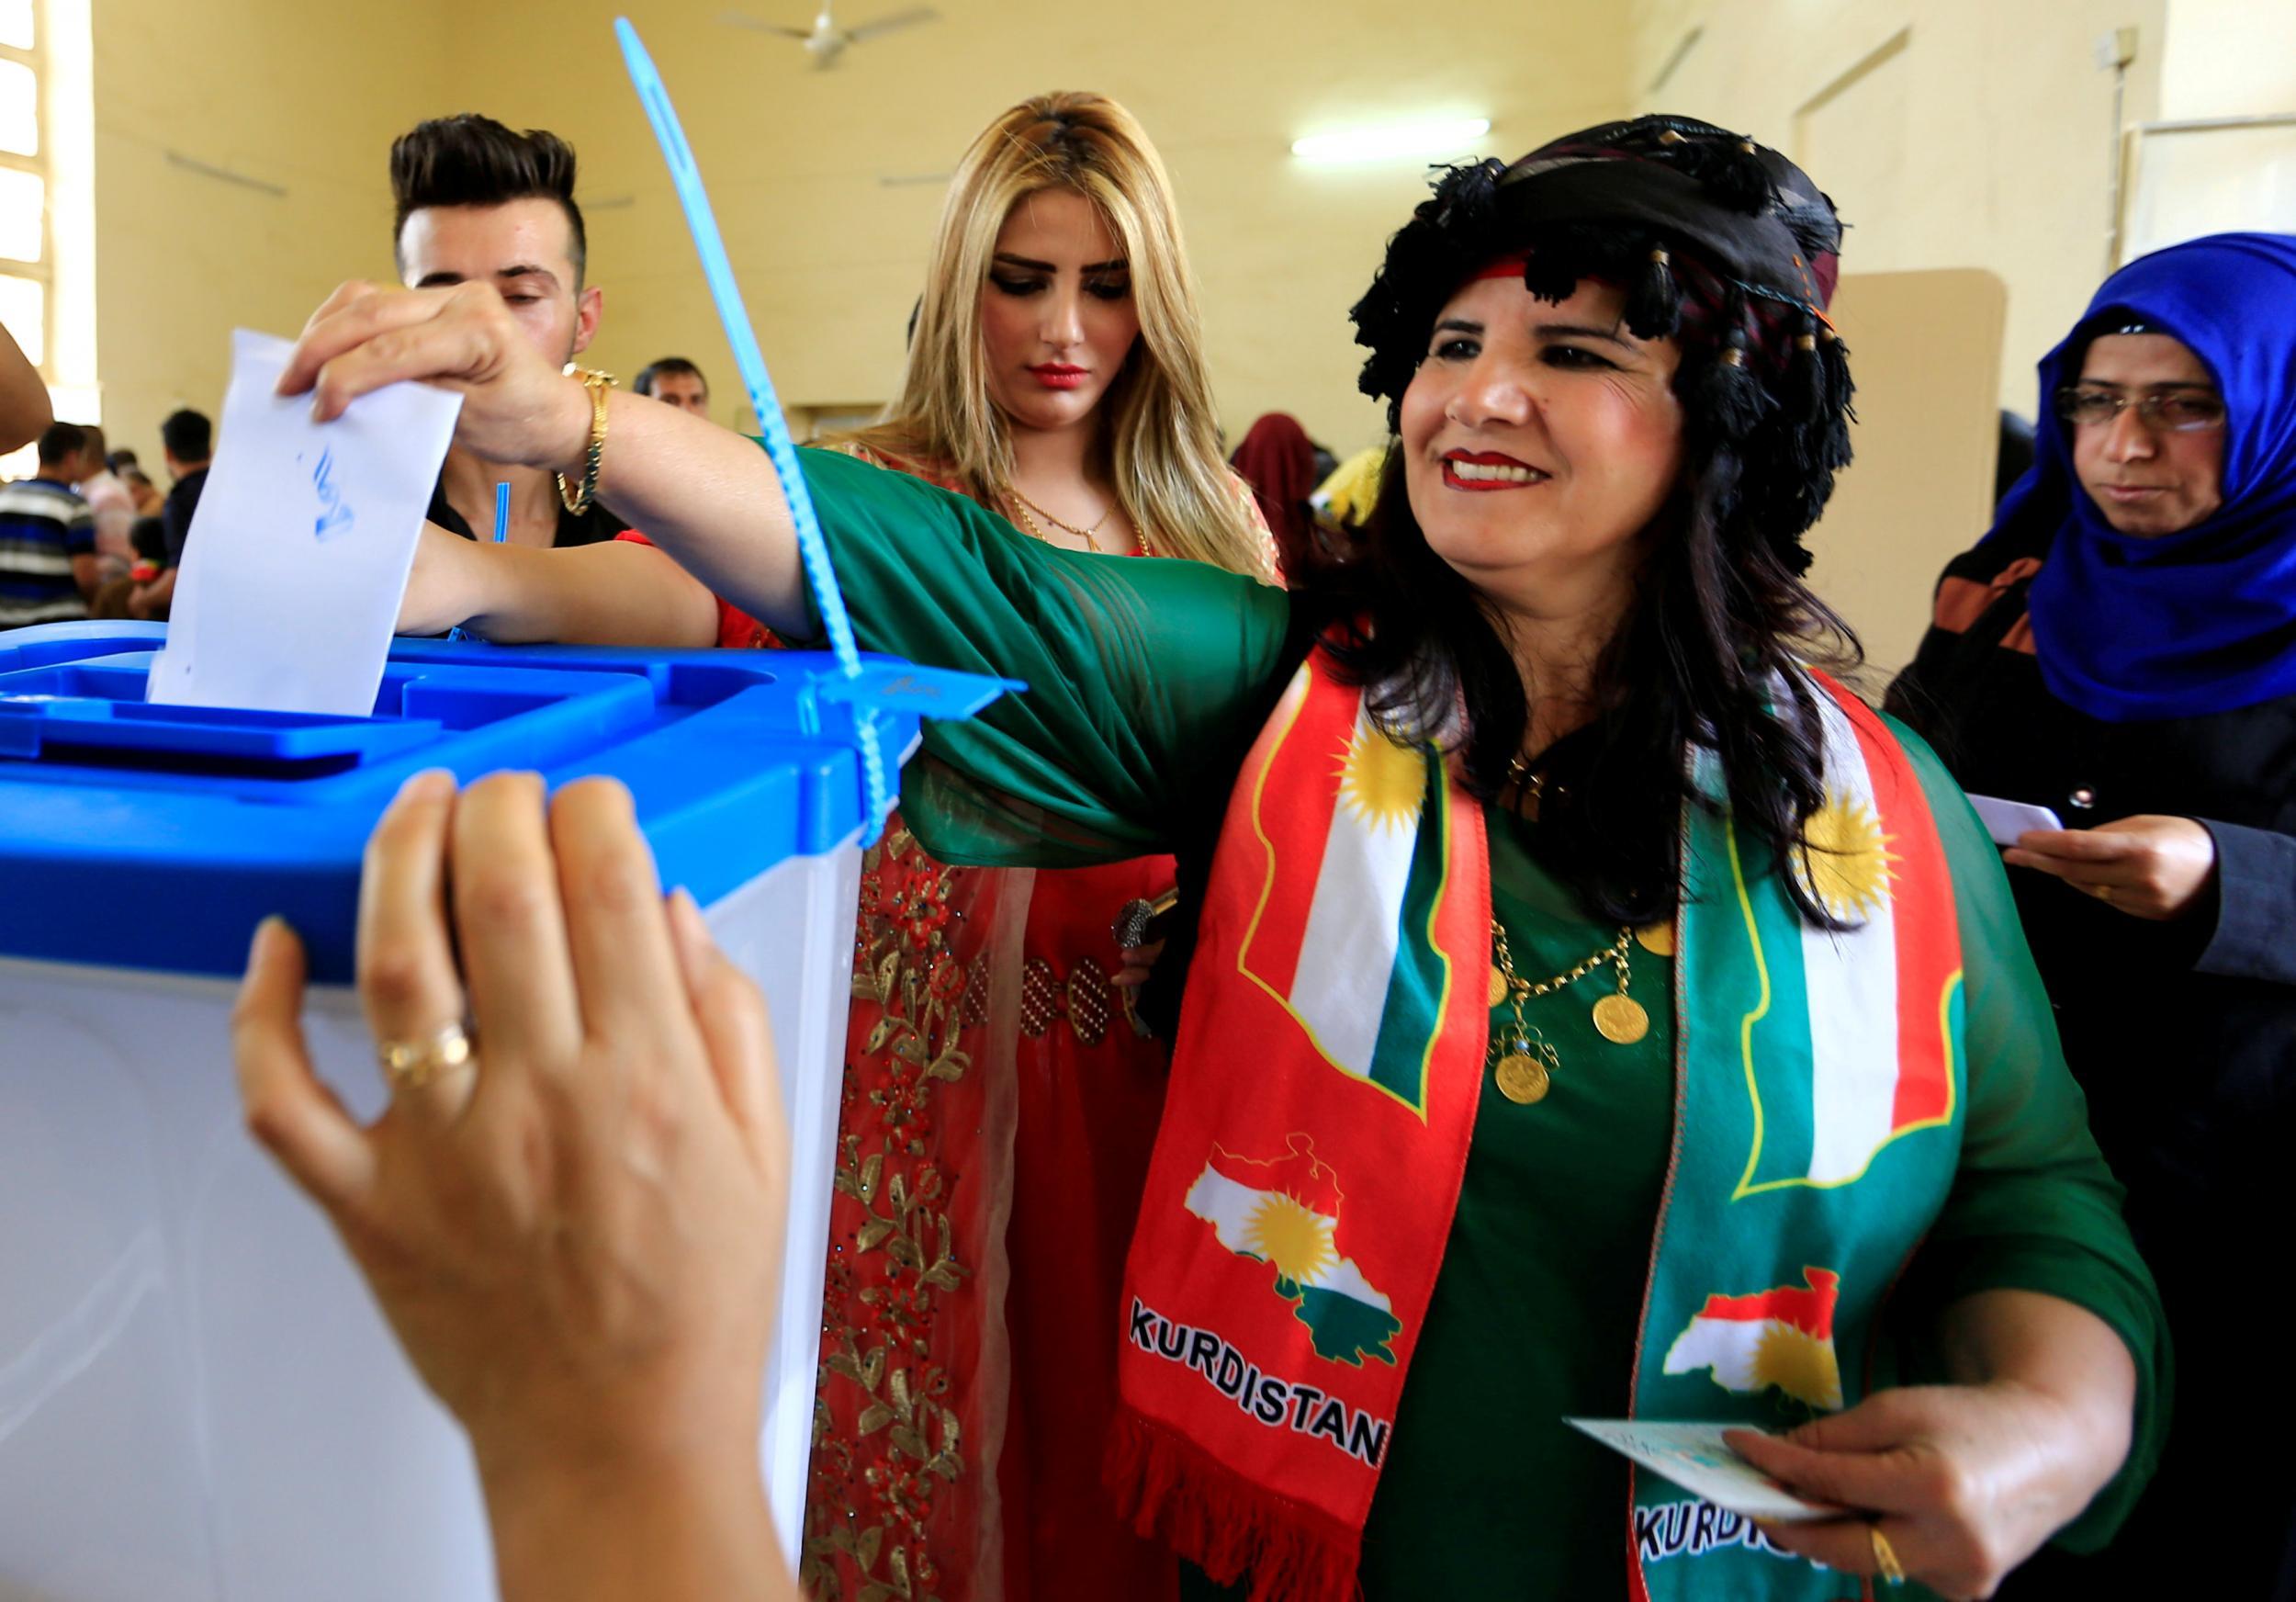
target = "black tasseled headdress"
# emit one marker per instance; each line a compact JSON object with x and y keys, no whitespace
{"x":1718,"y":241}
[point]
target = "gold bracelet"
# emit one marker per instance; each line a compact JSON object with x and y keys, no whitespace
{"x":580,"y":500}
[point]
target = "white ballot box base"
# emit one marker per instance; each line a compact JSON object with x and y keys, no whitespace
{"x":199,"y":1401}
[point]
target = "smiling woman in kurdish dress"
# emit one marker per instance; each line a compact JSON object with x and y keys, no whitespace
{"x":1584,"y":1081}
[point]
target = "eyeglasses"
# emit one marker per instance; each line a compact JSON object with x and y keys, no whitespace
{"x":2169,"y":413}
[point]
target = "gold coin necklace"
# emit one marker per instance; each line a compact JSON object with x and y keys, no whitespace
{"x":1524,"y":1061}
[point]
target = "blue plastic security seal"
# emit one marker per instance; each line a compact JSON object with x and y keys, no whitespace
{"x":502,"y":532}
{"x":749,"y":361}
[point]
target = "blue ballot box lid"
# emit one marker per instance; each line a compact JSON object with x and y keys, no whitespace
{"x":150,"y":837}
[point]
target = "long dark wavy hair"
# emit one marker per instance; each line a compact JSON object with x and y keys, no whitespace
{"x":1709,"y":649}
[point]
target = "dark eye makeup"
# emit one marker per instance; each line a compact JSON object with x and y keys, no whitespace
{"x":1098,"y":289}
{"x":1571,"y":357}
{"x":1460,"y":347}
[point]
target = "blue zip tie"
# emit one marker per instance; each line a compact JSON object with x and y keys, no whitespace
{"x":502,"y":532}
{"x":749,"y":361}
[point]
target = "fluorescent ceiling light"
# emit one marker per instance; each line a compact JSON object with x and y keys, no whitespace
{"x":1393,"y":140}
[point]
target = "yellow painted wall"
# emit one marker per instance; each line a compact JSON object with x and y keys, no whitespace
{"x":299,"y":96}
{"x":831,"y":252}
{"x":831,"y":256}
{"x":2229,"y":58}
{"x":1985,"y":141}
{"x":1928,"y":351}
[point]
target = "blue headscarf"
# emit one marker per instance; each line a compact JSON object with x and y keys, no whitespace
{"x":2203,"y":620}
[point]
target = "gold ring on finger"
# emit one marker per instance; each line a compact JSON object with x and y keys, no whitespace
{"x":410,"y":1065}
{"x":1885,"y":1561}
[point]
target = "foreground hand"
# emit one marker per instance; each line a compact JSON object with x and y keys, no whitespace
{"x":518,"y":406}
{"x":1965,"y":1482}
{"x":2146,"y":866}
{"x":576,"y":1235}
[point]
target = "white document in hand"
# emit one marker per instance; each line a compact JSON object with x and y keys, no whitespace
{"x":299,"y":553}
{"x":2005,"y":820}
{"x":1695,"y":1457}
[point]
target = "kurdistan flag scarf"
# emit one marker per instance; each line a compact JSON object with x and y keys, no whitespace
{"x":1329,"y":1061}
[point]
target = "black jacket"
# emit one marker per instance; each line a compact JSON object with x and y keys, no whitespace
{"x":2183,"y":1035}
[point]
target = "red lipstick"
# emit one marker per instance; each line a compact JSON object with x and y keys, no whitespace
{"x":1480,"y":471}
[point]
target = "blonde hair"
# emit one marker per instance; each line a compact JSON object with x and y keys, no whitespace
{"x":1160,"y":434}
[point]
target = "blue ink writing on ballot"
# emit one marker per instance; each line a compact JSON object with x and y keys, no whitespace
{"x":335,"y":516}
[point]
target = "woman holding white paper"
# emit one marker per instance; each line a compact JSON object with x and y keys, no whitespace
{"x":2121,"y":648}
{"x":1519,"y":1077}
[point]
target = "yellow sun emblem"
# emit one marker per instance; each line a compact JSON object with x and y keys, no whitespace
{"x":1382,"y":783}
{"x":1289,"y":1236}
{"x":1847,"y":864}
{"x":1801,"y":1365}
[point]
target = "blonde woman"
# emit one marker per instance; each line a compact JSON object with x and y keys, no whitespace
{"x":1000,"y":1098}
{"x":1056,"y":371}
{"x":1056,"y":375}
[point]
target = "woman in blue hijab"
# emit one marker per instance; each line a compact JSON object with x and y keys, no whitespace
{"x":2121,"y":649}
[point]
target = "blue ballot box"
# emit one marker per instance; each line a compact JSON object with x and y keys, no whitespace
{"x":197,"y":1398}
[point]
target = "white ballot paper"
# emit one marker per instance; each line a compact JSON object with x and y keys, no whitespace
{"x":299,"y":553}
{"x":1694,"y":1457}
{"x":2005,"y":820}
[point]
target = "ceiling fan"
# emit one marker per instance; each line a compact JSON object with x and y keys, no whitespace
{"x":825,"y":41}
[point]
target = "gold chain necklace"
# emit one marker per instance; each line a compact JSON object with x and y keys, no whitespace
{"x":1083,"y":534}
{"x":1025,"y":506}
{"x":1524,"y":1060}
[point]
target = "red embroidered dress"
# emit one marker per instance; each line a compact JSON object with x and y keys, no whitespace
{"x":999,"y":1108}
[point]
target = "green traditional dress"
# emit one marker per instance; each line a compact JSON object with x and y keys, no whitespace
{"x":1149,"y":682}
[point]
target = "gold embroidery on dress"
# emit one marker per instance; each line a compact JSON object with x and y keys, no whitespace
{"x":873,"y":1487}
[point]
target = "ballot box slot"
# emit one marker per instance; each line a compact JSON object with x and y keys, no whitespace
{"x":94,"y":716}
{"x":38,"y":725}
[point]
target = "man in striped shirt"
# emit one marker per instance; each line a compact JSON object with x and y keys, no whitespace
{"x":48,"y":566}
